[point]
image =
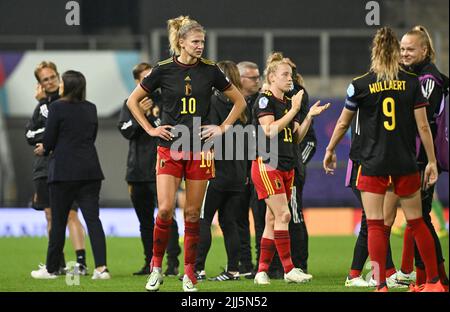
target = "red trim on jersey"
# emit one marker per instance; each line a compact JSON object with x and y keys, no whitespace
{"x":422,"y":105}
{"x":265,"y":114}
{"x":284,"y":100}
{"x":145,"y":88}
{"x":185,"y":65}
{"x":226,"y":88}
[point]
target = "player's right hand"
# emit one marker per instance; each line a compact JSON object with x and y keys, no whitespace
{"x":297,"y":100}
{"x":146,"y":104}
{"x":40,"y":93}
{"x":162,"y":132}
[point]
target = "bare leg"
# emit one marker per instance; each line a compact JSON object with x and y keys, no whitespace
{"x":76,"y":231}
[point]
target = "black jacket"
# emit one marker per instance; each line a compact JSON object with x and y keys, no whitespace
{"x":231,"y":175}
{"x":433,"y":85}
{"x":306,"y":149}
{"x":34,"y":133}
{"x":141,"y":162}
{"x":70,"y":135}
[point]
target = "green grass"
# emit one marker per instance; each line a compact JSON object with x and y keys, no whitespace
{"x":329,"y":261}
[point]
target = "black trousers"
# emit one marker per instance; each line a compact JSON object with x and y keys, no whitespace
{"x":144,"y":198}
{"x":62,"y":195}
{"x":226,"y":203}
{"x":427,"y":200}
{"x":297,"y":229}
{"x":243,"y":224}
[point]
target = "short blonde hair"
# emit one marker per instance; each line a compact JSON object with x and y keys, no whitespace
{"x":42,"y":65}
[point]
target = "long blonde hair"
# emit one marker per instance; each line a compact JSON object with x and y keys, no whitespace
{"x":231,"y":70}
{"x":178,"y":28}
{"x":274,"y":59}
{"x":385,"y":54}
{"x":425,"y":39}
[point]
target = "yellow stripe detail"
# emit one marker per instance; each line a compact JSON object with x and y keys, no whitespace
{"x":359,"y":77}
{"x":358,"y":174}
{"x":410,"y":73}
{"x":208,"y":62}
{"x":167,"y":61}
{"x":265,"y":177}
{"x":213,"y":164}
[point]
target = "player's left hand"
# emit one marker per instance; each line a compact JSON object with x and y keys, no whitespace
{"x":39,"y":149}
{"x":430,"y":175}
{"x":329,"y":162}
{"x":209,"y":132}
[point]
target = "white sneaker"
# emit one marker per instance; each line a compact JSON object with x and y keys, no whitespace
{"x":356,"y":282}
{"x":155,"y":279}
{"x":188,"y":286}
{"x":392,"y":282}
{"x":104,"y":275}
{"x":42,"y":273}
{"x":406,"y":279}
{"x":372,"y":282}
{"x":296,"y":275}
{"x":261,"y":278}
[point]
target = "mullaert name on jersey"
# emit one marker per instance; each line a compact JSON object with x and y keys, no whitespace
{"x":380,"y":86}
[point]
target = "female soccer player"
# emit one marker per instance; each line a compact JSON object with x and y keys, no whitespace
{"x":186,"y":81}
{"x":391,"y":107}
{"x":273,"y":171}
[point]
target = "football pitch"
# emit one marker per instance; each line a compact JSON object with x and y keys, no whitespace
{"x":329,"y":261}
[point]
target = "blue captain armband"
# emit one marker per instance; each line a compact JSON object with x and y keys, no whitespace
{"x":351,"y":105}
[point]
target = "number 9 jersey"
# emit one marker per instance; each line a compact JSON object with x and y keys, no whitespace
{"x":385,"y":122}
{"x":185,"y":92}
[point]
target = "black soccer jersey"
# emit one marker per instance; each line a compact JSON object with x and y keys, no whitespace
{"x":386,"y":122}
{"x":284,"y":155}
{"x":185,"y":93}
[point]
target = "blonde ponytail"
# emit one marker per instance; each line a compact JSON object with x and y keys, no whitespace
{"x":385,"y":55}
{"x":424,"y":36}
{"x":178,"y":28}
{"x":275,"y":59}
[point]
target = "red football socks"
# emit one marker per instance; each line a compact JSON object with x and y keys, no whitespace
{"x":267,"y":248}
{"x":161,"y":235}
{"x":283,"y":244}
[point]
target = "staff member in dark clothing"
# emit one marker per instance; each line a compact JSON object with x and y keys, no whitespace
{"x":418,"y":56}
{"x":251,"y":83}
{"x":74,"y":171}
{"x":47,"y":76}
{"x":304,"y":152}
{"x":141,"y":175}
{"x":226,"y":192}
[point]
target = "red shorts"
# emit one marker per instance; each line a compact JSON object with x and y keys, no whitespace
{"x":403,"y":185}
{"x":182,"y":164}
{"x":269,"y":181}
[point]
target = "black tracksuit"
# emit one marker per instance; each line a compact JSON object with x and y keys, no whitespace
{"x":225,"y":194}
{"x":141,"y":178}
{"x":434,"y":85}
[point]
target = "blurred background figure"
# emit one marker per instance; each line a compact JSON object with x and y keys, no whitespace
{"x":74,"y":172}
{"x":47,"y":91}
{"x":141,"y":173}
